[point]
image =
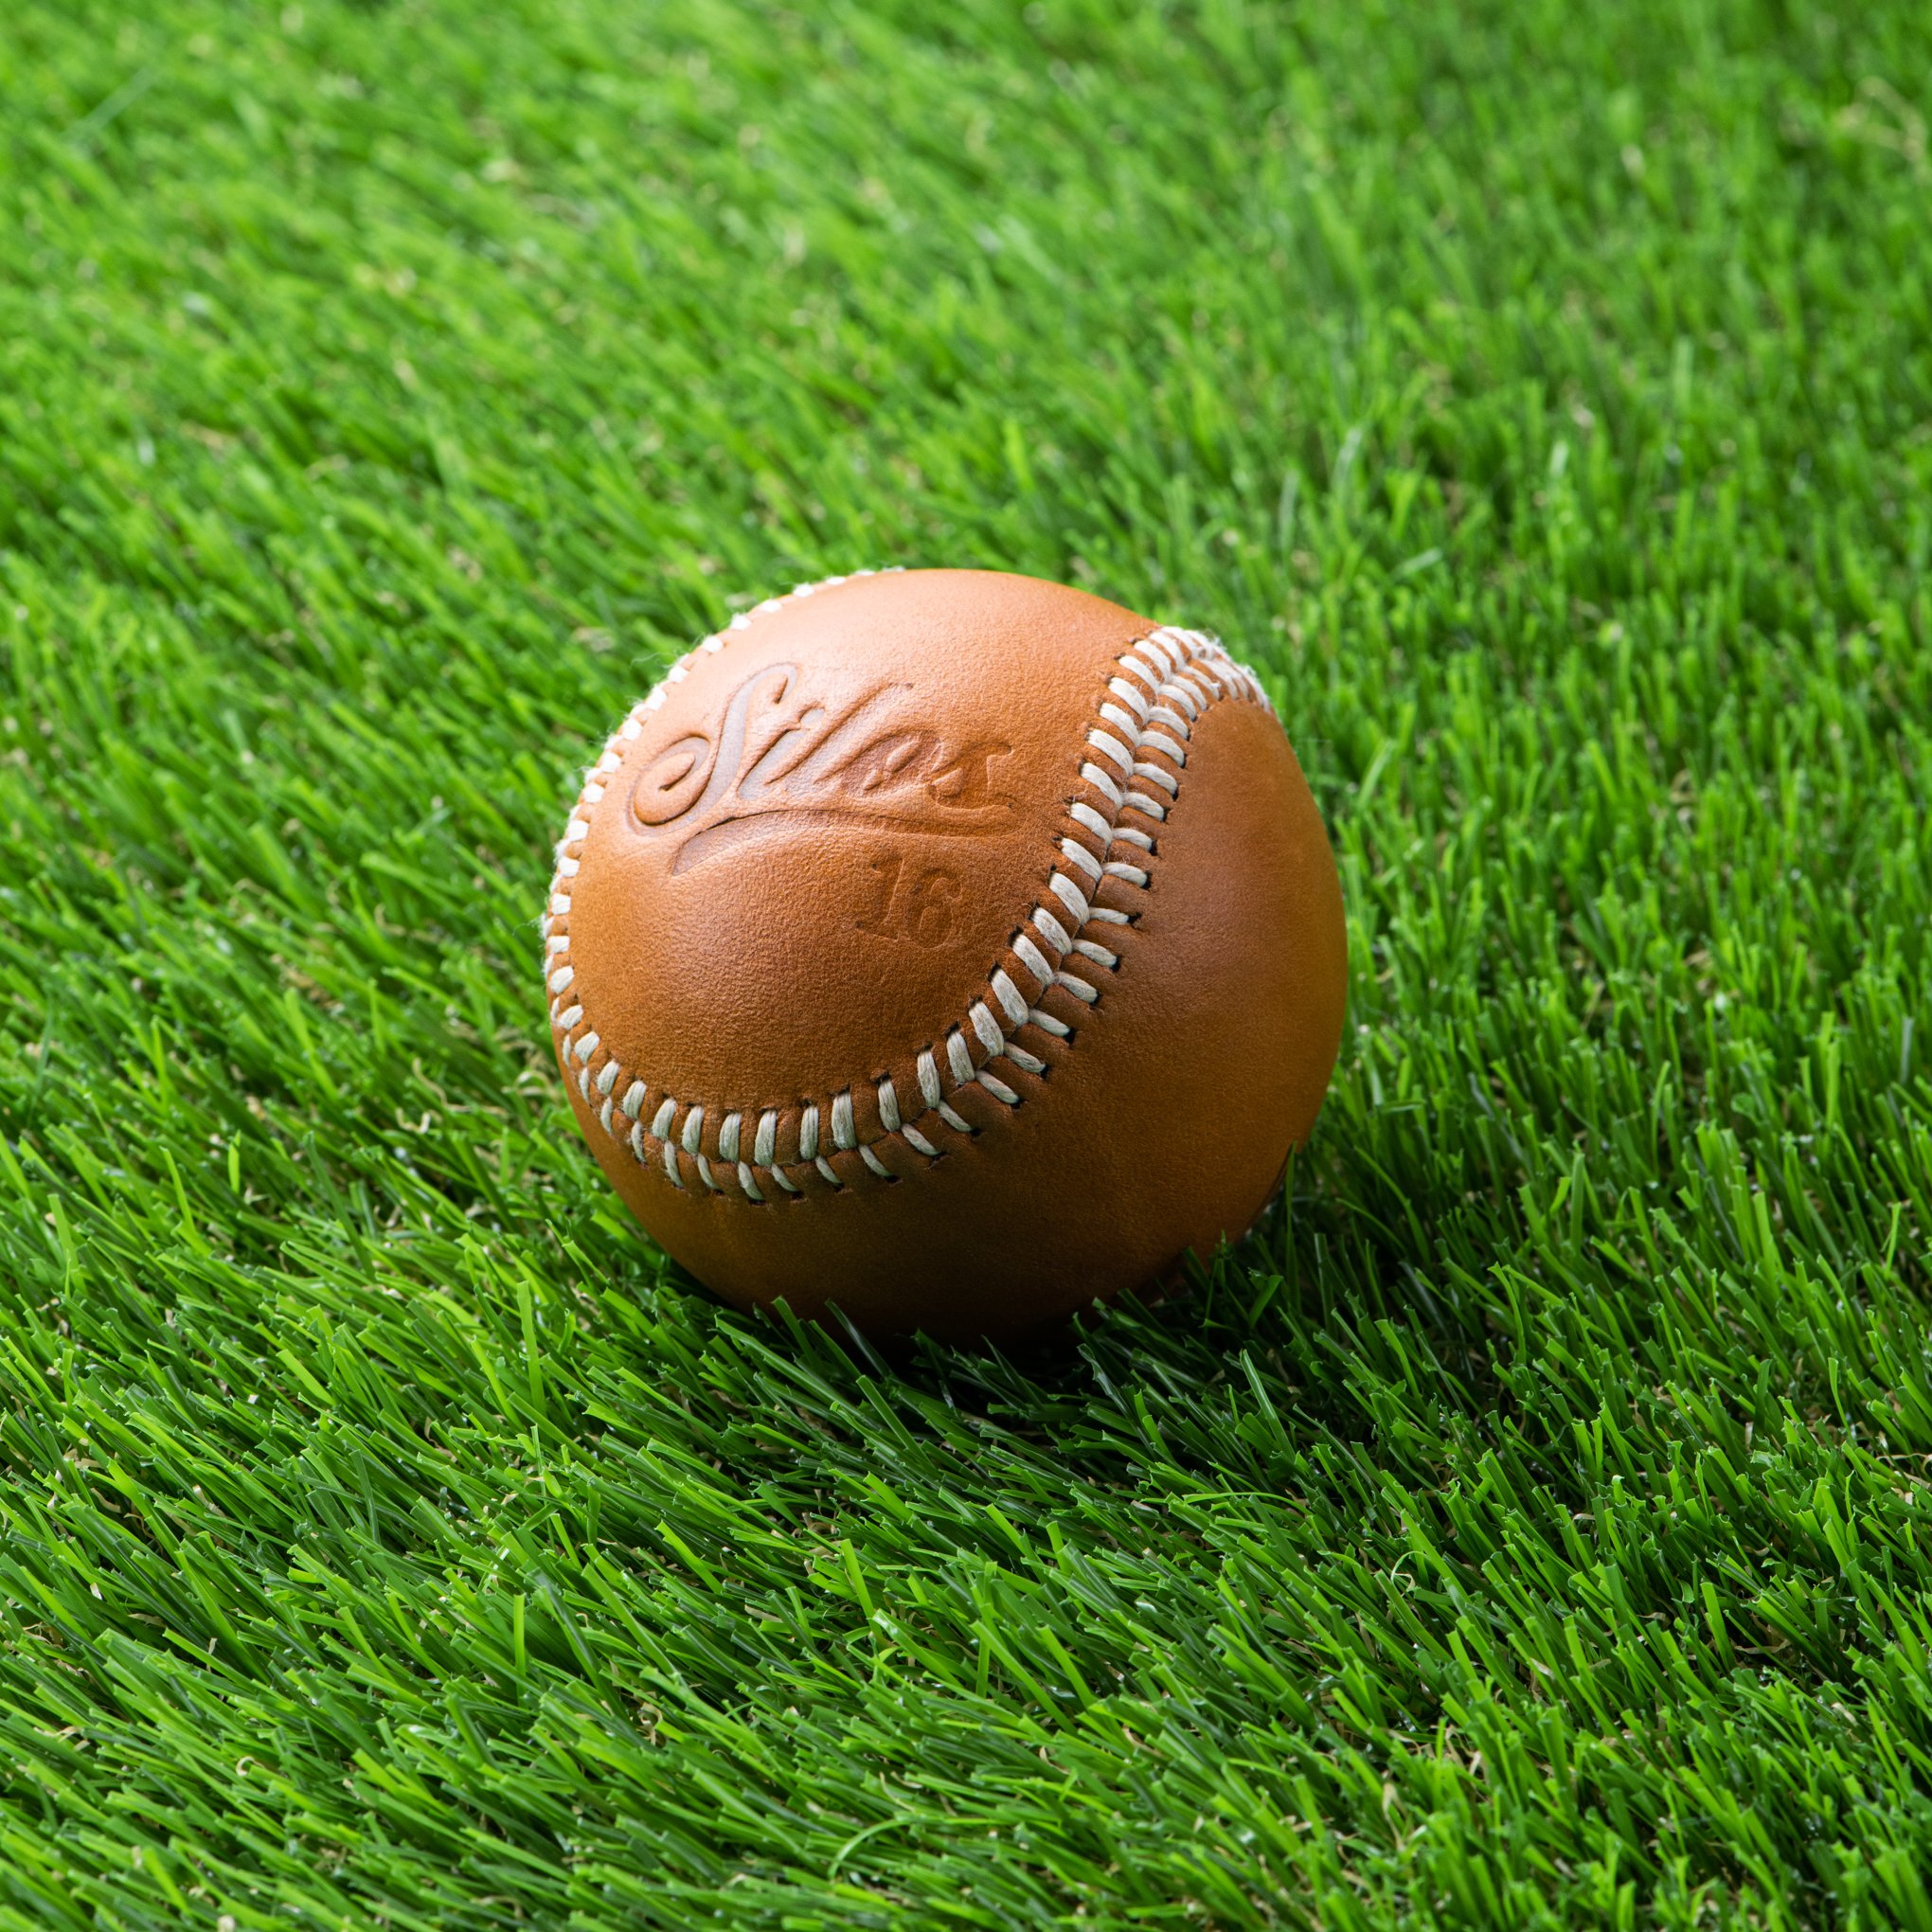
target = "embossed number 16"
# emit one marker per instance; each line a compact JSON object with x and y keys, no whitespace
{"x":909,"y":906}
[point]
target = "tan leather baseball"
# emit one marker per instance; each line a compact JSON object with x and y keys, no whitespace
{"x":950,"y":946}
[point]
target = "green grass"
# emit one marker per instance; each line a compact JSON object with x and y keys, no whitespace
{"x":1532,"y":1528}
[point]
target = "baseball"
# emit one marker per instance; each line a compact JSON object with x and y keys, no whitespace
{"x":951,"y":947}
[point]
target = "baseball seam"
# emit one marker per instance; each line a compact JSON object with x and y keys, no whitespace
{"x":1133,"y":755}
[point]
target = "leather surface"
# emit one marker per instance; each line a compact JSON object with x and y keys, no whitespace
{"x":801,"y":874}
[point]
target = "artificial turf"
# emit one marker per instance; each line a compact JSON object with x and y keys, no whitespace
{"x":1532,"y":1527}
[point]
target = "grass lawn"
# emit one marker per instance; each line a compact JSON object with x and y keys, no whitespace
{"x":1532,"y":1526}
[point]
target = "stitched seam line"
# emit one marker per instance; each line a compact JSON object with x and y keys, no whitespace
{"x":1131,"y":767}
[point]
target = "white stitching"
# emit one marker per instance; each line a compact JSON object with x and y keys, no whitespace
{"x":1051,"y":930}
{"x":1032,"y":958}
{"x":1070,"y":896}
{"x":958,"y":1057}
{"x":1102,"y":783}
{"x":1010,"y":1004}
{"x":1183,"y":671}
{"x":1076,"y":853}
{"x":988,"y":1028}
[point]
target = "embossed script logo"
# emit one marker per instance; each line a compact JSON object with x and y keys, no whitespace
{"x":780,"y":754}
